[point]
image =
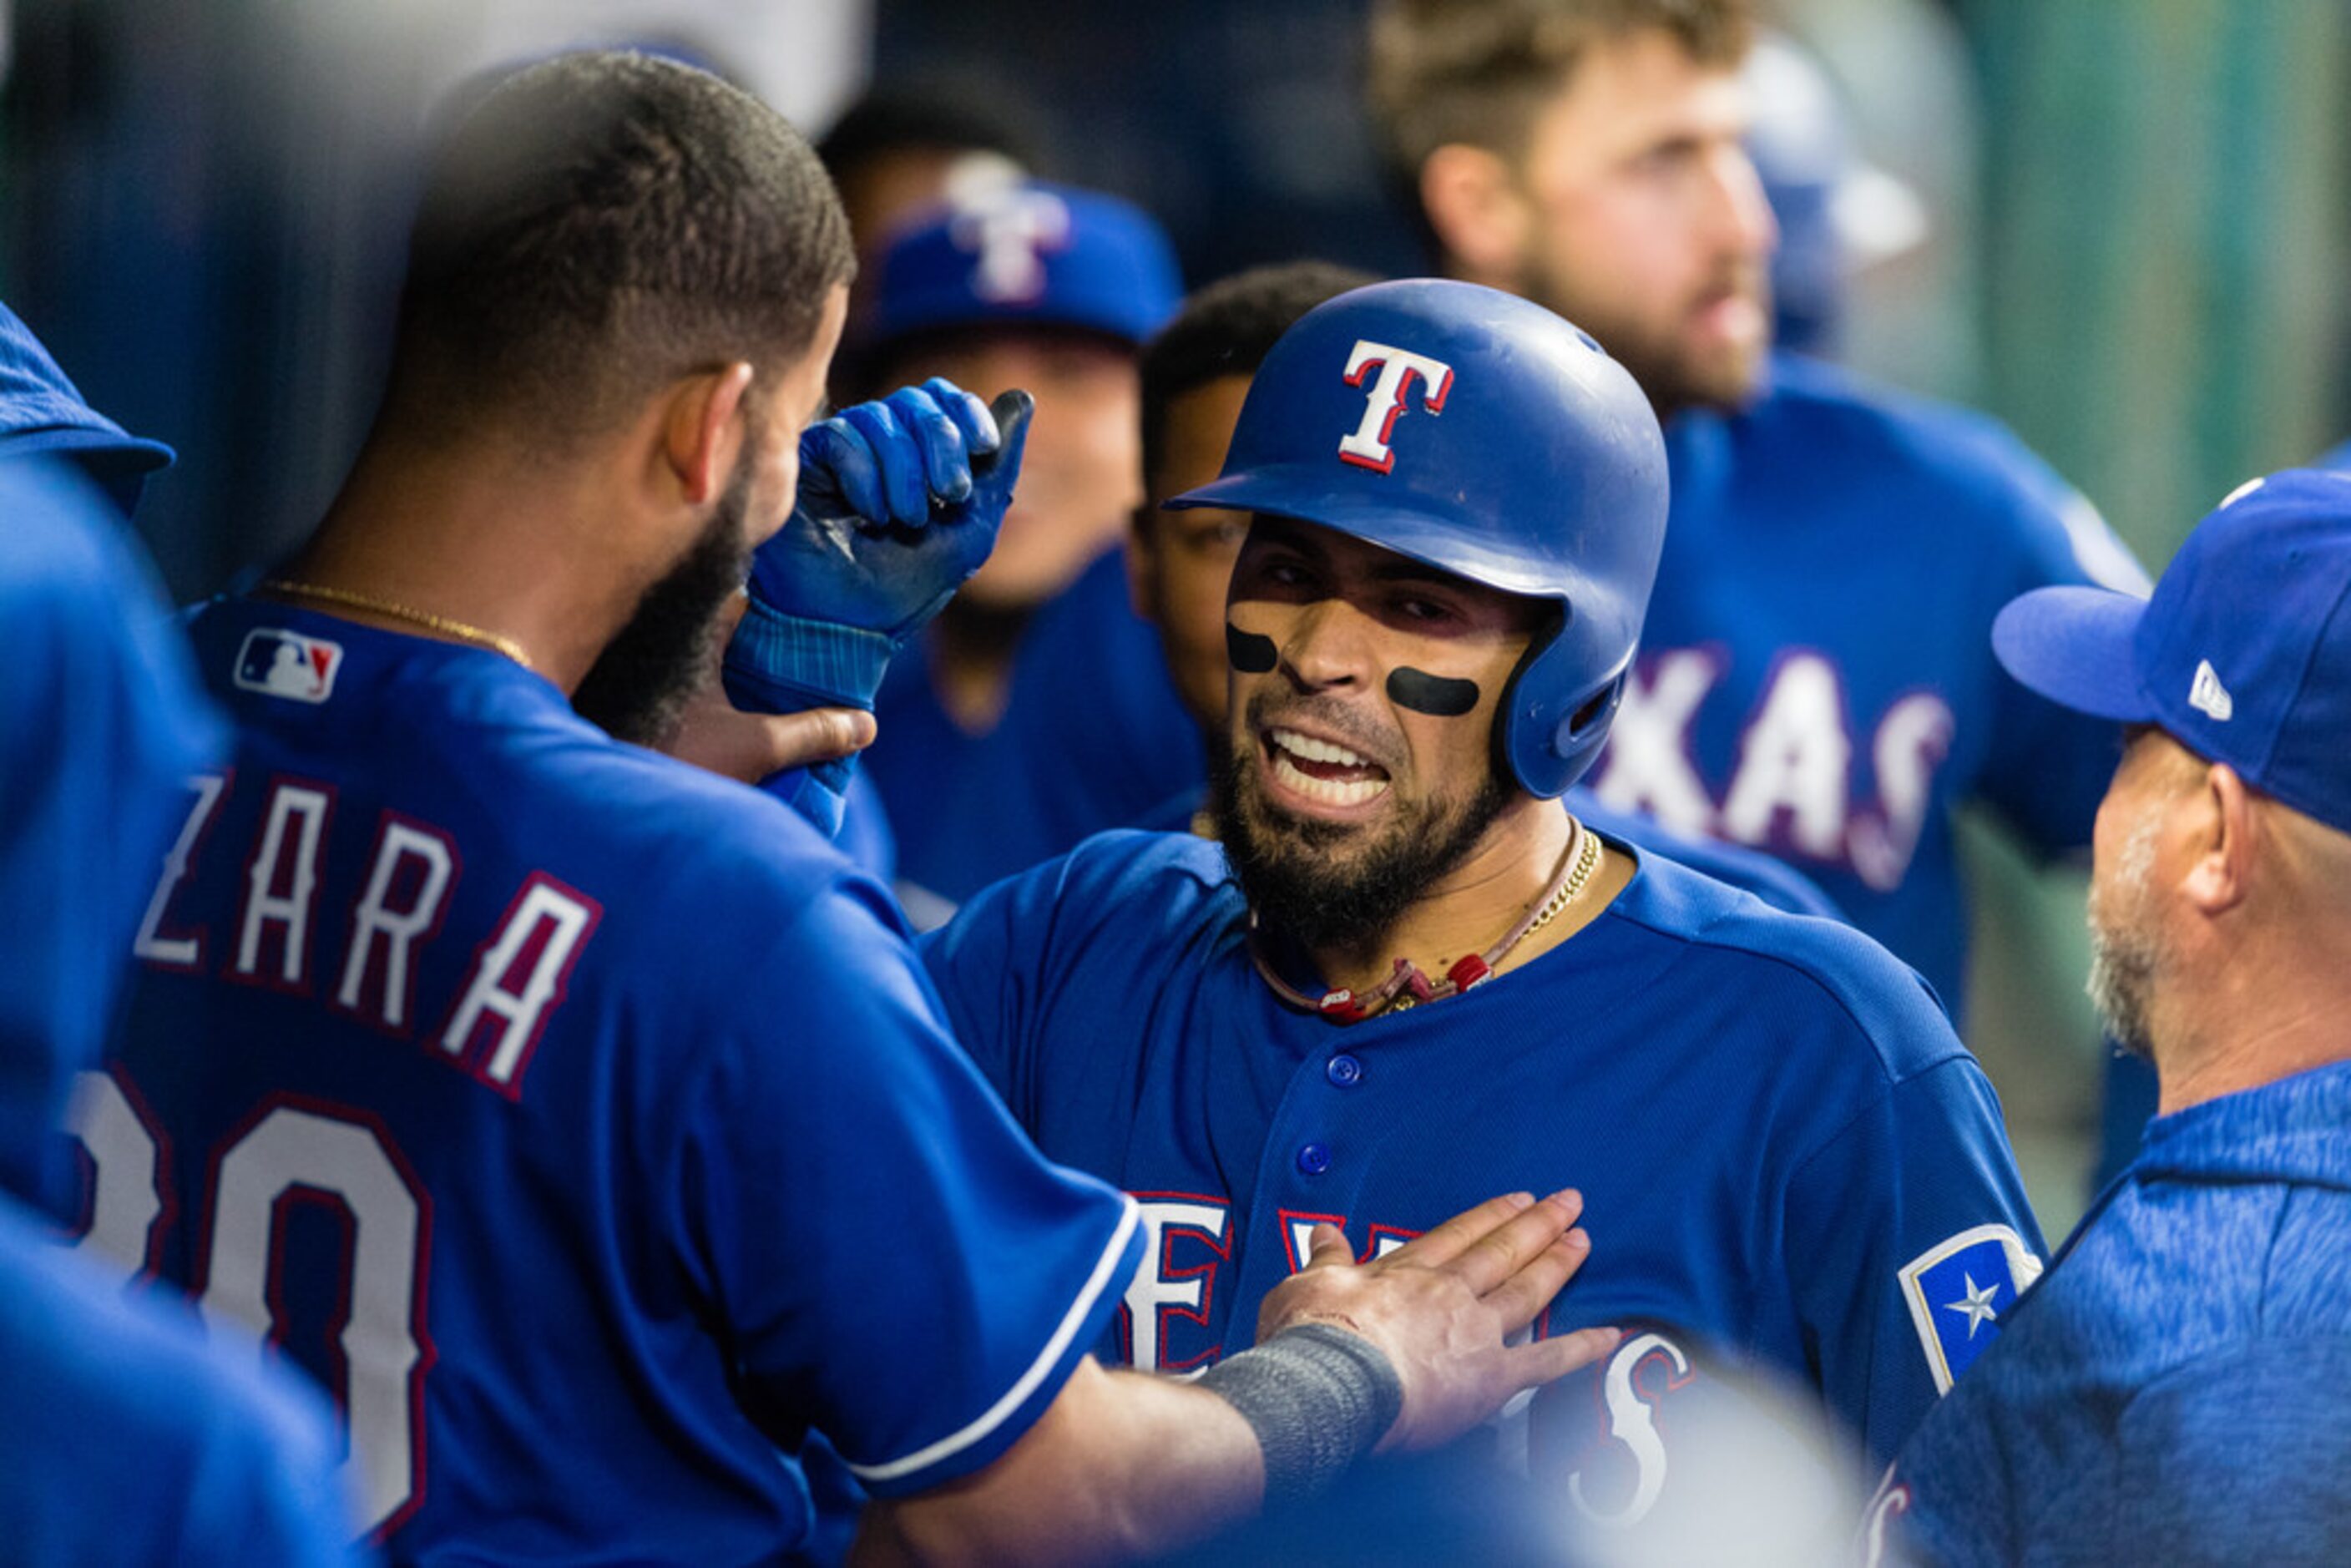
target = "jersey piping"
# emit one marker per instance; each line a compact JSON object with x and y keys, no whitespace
{"x":1081,"y":1310}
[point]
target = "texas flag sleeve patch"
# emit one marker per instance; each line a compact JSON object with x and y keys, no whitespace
{"x":1959,"y":1290}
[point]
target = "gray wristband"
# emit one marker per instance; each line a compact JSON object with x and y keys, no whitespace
{"x":1317,"y":1398}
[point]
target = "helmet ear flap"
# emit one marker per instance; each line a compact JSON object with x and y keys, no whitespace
{"x":1520,"y":712}
{"x":1589,"y":723}
{"x":1550,"y":736}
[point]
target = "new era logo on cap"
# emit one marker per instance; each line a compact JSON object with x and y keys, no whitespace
{"x":2207,"y":695}
{"x":281,"y":663}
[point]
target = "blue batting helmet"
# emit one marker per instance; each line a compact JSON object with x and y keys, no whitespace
{"x":1481,"y":435}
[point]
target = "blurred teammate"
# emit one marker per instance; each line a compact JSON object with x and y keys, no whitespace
{"x":1054,"y":290}
{"x":1837,"y":214}
{"x":1406,"y":973}
{"x":903,"y":149}
{"x":580,"y":1118}
{"x":1814,"y":679}
{"x":129,"y":1440}
{"x":2177,"y":1389}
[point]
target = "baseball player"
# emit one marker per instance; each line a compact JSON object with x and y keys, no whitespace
{"x":581,"y":1119}
{"x":1814,"y":679}
{"x":1837,"y":215}
{"x":1195,"y":375}
{"x":129,"y":1440}
{"x":1406,"y":975}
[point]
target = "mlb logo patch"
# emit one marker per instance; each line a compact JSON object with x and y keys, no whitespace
{"x":281,"y":663}
{"x":1960,"y":1289}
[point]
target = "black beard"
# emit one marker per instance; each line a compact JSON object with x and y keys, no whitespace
{"x":1297,"y":887}
{"x":638,"y":687}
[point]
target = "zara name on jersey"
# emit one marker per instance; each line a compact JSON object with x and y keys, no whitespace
{"x":1776,"y":1134}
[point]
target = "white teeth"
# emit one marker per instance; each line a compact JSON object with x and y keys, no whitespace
{"x":1331,"y":792}
{"x":1315,"y":751}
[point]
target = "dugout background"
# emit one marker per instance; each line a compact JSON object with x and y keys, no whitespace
{"x":2137,"y":256}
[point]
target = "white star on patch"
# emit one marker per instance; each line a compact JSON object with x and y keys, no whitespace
{"x":1978,"y":1305}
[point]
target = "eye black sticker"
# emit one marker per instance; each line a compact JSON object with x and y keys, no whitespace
{"x":1249,"y":652}
{"x":1424,"y":693}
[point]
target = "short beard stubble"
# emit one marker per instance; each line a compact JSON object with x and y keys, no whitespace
{"x":2125,"y":952}
{"x":1672,"y":376}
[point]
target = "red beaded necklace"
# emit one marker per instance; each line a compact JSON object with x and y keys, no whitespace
{"x":1405,"y":985}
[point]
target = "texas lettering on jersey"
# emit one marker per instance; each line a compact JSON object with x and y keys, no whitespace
{"x":1791,"y":788}
{"x":1606,"y":1446}
{"x":1167,"y":1320}
{"x":397,"y":909}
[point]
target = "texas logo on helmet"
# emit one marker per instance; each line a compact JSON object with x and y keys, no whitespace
{"x":1399,"y":369}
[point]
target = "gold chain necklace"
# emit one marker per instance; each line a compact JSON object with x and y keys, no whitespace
{"x":424,"y":618}
{"x":1587,"y":861}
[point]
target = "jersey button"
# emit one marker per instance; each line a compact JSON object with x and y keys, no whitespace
{"x":1313,"y":1158}
{"x":1344,"y":1070}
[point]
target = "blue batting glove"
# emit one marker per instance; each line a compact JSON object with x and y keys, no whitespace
{"x":900,"y":502}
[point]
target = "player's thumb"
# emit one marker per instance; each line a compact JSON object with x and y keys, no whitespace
{"x":813,"y":735}
{"x":1000,"y":470}
{"x":1326,"y":1247}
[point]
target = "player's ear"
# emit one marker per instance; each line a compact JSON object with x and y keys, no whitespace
{"x":2224,"y":841}
{"x":1477,"y":212}
{"x":704,"y":430}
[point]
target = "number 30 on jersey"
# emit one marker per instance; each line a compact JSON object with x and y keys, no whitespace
{"x":287,"y":1152}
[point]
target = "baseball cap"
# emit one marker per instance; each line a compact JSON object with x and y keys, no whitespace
{"x":1026,"y":251}
{"x":41,"y":410}
{"x":2243,"y":652}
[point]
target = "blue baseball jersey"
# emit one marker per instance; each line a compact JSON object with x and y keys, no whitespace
{"x":1777,"y":1133}
{"x":1774,"y":882}
{"x":2177,"y":1389}
{"x":1816,"y":677}
{"x":583,"y":1122}
{"x":1092,"y":736}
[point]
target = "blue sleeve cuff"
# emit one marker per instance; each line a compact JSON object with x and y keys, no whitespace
{"x":775,"y":657}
